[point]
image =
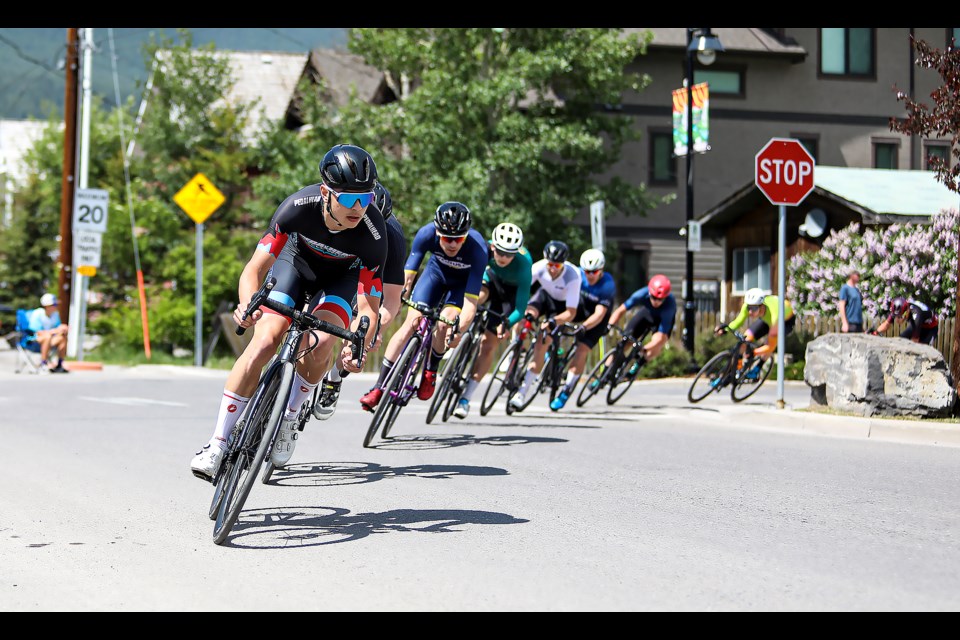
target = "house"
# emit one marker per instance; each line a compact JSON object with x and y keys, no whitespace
{"x":16,"y":138}
{"x":746,"y":223}
{"x":831,"y":88}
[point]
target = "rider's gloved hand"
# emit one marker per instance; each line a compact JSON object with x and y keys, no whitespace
{"x":581,"y":331}
{"x":720,"y":329}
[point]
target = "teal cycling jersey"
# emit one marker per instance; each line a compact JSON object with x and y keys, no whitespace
{"x":516,"y":274}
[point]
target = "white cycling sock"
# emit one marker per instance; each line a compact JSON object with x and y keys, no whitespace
{"x":301,"y":389}
{"x":334,"y":374}
{"x":231,"y":408}
{"x":528,"y":379}
{"x":572,"y":380}
{"x":471,"y":387}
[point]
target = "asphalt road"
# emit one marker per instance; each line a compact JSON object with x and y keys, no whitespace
{"x":650,"y":505}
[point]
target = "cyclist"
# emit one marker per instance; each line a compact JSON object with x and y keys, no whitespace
{"x":506,"y":286}
{"x":389,"y":307}
{"x":656,"y":308}
{"x":315,"y":246}
{"x":763,"y":311}
{"x":597,"y":291}
{"x":557,"y":297}
{"x":452,"y":276}
{"x":922,"y":325}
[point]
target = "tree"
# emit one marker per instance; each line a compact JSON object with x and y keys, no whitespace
{"x":519,"y":124}
{"x":943,"y":121}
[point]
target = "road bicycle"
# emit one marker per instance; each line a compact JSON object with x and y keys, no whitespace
{"x":453,"y":378}
{"x":745,"y":372}
{"x":252,"y":439}
{"x":508,"y":374}
{"x":558,"y":356}
{"x":617,"y":368}
{"x":399,"y":386}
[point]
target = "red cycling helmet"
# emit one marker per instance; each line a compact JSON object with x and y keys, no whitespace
{"x":659,"y":286}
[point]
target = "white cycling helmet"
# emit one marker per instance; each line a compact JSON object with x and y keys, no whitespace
{"x":592,"y":259}
{"x":754,"y":296}
{"x":507,"y":237}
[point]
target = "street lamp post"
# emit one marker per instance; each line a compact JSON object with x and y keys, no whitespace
{"x":705,"y":45}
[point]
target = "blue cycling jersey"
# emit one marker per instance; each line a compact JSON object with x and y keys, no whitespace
{"x":468,"y":265}
{"x":665,"y":315}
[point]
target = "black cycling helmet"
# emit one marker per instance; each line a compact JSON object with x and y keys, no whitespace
{"x":556,"y":251}
{"x":381,"y":197}
{"x":452,"y":219}
{"x":347,"y":167}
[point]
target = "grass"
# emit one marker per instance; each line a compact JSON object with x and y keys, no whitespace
{"x":837,"y":412}
{"x":130,"y":356}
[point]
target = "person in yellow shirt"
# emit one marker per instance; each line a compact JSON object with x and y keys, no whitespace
{"x":763,"y":312}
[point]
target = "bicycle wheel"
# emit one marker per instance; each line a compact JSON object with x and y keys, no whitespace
{"x":535,"y":386}
{"x":458,"y":383}
{"x":499,"y":378}
{"x":712,"y":374}
{"x":557,"y":382}
{"x":621,"y":380}
{"x":260,"y":430}
{"x":742,"y":387}
{"x":598,"y":376}
{"x":446,"y":377}
{"x":395,"y":381}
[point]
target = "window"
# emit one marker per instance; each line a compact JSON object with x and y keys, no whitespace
{"x":663,"y":164}
{"x":811,"y":142}
{"x":633,"y":272}
{"x":723,"y":82}
{"x":953,"y":37}
{"x":751,"y":268}
{"x":847,"y":52}
{"x":937,"y":150}
{"x":885,"y":155}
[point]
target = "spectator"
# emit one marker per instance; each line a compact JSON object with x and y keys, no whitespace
{"x":851,"y":305}
{"x":44,"y":321}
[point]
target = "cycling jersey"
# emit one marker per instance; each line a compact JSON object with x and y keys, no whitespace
{"x":663,"y":316}
{"x":565,"y":289}
{"x":446,"y":278}
{"x":771,"y":312}
{"x":333,"y":258}
{"x":601,"y":293}
{"x":920,"y":322}
{"x":517,"y":276}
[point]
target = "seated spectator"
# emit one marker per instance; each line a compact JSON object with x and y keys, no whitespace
{"x":44,"y":321}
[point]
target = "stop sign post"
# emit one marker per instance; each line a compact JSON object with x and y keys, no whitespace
{"x":783,"y":171}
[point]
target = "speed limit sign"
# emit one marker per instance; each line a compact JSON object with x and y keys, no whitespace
{"x":90,"y":210}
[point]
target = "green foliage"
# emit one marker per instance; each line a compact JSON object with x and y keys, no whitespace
{"x":673,"y":361}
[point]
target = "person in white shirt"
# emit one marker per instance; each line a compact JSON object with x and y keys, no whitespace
{"x":555,"y":302}
{"x":44,"y":321}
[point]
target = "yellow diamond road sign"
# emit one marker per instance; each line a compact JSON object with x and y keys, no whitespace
{"x":199,"y":198}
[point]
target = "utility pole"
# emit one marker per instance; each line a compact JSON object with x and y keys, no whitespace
{"x":65,"y":263}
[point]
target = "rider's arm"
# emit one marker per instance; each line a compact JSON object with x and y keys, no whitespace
{"x":524,"y":281}
{"x":738,"y":321}
{"x":253,"y":275}
{"x":566,"y":316}
{"x":618,"y":313}
{"x":468,"y":312}
{"x":596,"y":317}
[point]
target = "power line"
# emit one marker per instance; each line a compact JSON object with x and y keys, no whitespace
{"x":289,"y":37}
{"x":23,"y":56}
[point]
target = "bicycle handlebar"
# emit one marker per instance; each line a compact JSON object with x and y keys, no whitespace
{"x":305,"y":320}
{"x":430,"y":312}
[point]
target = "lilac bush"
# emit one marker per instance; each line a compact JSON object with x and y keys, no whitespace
{"x":916,"y":261}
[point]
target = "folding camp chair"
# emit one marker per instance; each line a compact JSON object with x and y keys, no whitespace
{"x":25,"y":344}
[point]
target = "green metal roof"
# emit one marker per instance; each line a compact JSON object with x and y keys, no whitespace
{"x":888,"y":191}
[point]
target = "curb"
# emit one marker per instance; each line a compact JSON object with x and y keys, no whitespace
{"x":891,"y":430}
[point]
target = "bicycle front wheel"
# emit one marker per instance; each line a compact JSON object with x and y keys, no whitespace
{"x":534,"y":386}
{"x":446,"y":377}
{"x":395,"y":382}
{"x":499,"y":378}
{"x":710,"y":378}
{"x":598,"y":377}
{"x":461,"y":377}
{"x":743,"y":387}
{"x":260,"y":431}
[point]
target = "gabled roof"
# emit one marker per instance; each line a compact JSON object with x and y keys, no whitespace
{"x":342,"y":70}
{"x":734,"y":40}
{"x":878,"y":195}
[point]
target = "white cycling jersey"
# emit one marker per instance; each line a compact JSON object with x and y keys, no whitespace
{"x":566,"y":288}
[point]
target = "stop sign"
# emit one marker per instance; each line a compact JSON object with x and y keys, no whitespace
{"x":784,"y":171}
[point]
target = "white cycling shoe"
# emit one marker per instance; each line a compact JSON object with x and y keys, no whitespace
{"x":463,"y":408}
{"x":206,"y":461}
{"x":286,"y":442}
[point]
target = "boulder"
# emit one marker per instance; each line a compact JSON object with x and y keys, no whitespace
{"x":875,"y":376}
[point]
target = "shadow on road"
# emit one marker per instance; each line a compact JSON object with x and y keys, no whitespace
{"x":342,"y":473}
{"x":491,"y":422}
{"x":446,"y":441}
{"x":297,"y":527}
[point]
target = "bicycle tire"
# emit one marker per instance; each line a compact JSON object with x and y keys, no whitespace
{"x":715,"y":366}
{"x":622,"y":380}
{"x":264,"y":424}
{"x":397,"y":376}
{"x":600,"y":374}
{"x":445,"y":378}
{"x":740,"y":381}
{"x":535,"y":386}
{"x":557,"y":381}
{"x":487,"y":403}
{"x":458,"y":383}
